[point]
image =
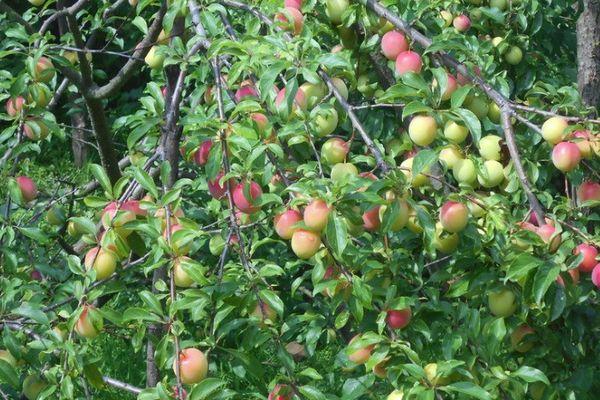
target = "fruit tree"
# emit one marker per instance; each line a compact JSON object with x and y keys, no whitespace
{"x":299,"y":199}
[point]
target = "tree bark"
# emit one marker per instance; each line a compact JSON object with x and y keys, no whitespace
{"x":588,"y":52}
{"x":78,"y":139}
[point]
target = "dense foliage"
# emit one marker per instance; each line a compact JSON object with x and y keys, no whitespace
{"x":312,"y":200}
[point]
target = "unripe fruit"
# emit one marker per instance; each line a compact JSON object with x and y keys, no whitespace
{"x":422,"y":130}
{"x":324,"y":120}
{"x":432,"y":375}
{"x":454,"y":216}
{"x":316,"y":214}
{"x":44,"y":70}
{"x":514,"y":55}
{"x":502,"y":303}
{"x":446,"y":243}
{"x":305,"y":244}
{"x":264,"y":312}
{"x":360,"y":356}
{"x":104,"y":262}
{"x":341,"y":87}
{"x":497,"y":40}
{"x":39,"y":94}
{"x":371,"y":221}
{"x":499,"y":4}
{"x":335,"y":9}
{"x":8,"y":358}
{"x":37,"y":3}
{"x":553,"y":130}
{"x":215,"y":188}
{"x":247,"y":205}
{"x":451,"y":87}
{"x":492,"y":174}
{"x":573,"y":273}
{"x":193,"y":366}
{"x":33,"y":385}
{"x":494,"y":113}
{"x":413,"y":223}
{"x":246,"y":90}
{"x":478,"y":105}
{"x":395,"y":395}
{"x":35,"y":129}
{"x":392,"y":44}
{"x":341,"y":172}
{"x":590,"y":253}
{"x":462,"y":23}
{"x":588,"y":191}
{"x":299,"y":100}
{"x":464,"y":172}
{"x":547,"y":233}
{"x":56,"y":215}
{"x":334,"y":151}
{"x":416,"y":181}
{"x":14,"y":106}
{"x":596,"y":275}
{"x":28,"y":188}
{"x":291,"y":20}
{"x":447,"y":17}
{"x":455,"y":133}
{"x":398,"y":319}
{"x":85,"y":326}
{"x":154,"y":60}
{"x":181,"y":278}
{"x":566,"y":156}
{"x":583,"y":140}
{"x":401,"y":218}
{"x":180,"y":246}
{"x":261,"y":121}
{"x":450,"y":155}
{"x":201,"y":155}
{"x":489,"y":147}
{"x":297,"y":4}
{"x":284,"y":223}
{"x":516,"y":339}
{"x":281,"y":392}
{"x":116,"y":217}
{"x":314,"y":92}
{"x":408,"y":61}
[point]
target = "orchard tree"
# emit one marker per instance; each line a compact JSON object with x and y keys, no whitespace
{"x":285,"y":200}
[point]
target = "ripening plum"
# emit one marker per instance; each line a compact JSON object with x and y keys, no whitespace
{"x":316,"y":214}
{"x":392,"y":44}
{"x":247,"y":205}
{"x":408,"y":61}
{"x":305,"y":243}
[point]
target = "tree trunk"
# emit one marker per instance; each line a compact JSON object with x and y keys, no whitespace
{"x":78,"y":139}
{"x":588,"y":52}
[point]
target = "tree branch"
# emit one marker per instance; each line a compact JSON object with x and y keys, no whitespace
{"x":134,"y":63}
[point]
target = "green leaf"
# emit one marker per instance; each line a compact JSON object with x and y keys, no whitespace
{"x":272,"y":300}
{"x":469,"y":389}
{"x":311,"y":392}
{"x":471,"y":121}
{"x":140,"y":314}
{"x":32,"y":311}
{"x":544,"y":277}
{"x":415,"y":107}
{"x":529,"y":374}
{"x":521,"y":265}
{"x":93,"y":375}
{"x":8,"y":374}
{"x":423,"y":160}
{"x":151,"y":301}
{"x":101,"y":177}
{"x":144,"y":179}
{"x":206,"y":388}
{"x":35,"y":234}
{"x":337,"y":234}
